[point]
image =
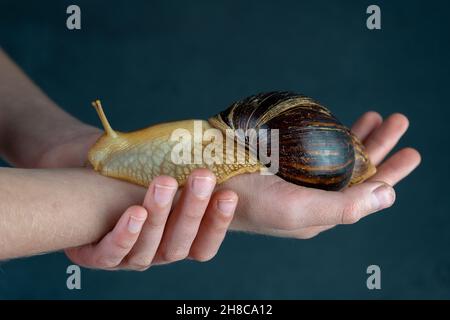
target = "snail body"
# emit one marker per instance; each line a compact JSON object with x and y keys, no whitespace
{"x":314,"y":148}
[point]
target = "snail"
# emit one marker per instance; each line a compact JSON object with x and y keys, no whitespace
{"x":314,"y":148}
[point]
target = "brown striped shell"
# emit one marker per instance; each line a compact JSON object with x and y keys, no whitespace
{"x":315,"y":149}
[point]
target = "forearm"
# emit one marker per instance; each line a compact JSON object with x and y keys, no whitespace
{"x":30,"y":123}
{"x":47,"y":210}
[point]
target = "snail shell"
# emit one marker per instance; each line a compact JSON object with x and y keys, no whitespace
{"x":315,"y":149}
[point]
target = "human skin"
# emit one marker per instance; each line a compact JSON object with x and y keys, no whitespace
{"x":267,"y":204}
{"x":47,"y":210}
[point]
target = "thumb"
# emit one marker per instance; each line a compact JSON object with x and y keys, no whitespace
{"x":350,"y":205}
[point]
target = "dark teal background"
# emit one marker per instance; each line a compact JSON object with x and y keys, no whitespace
{"x":154,"y":61}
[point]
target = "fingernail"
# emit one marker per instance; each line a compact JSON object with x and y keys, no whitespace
{"x":163,"y":194}
{"x":226,"y":206}
{"x":383,"y":197}
{"x":202,"y":186}
{"x":135,"y":224}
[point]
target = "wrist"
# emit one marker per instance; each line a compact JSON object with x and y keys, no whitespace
{"x":70,"y":149}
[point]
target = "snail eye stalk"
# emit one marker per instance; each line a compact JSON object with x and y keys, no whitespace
{"x":101,"y":114}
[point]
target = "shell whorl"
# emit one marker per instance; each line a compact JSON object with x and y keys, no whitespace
{"x":315,"y":149}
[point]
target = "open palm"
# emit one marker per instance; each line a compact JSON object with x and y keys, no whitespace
{"x":270,"y":205}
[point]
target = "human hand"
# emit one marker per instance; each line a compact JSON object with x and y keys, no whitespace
{"x":270,"y":205}
{"x":157,"y":233}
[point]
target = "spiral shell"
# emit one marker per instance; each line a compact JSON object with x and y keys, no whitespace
{"x":315,"y":149}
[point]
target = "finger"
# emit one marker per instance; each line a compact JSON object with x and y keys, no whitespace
{"x":348,"y":206}
{"x":214,"y":225}
{"x":367,"y":123}
{"x":398,"y":166}
{"x":382,"y":140}
{"x":185,"y":219}
{"x":158,"y":201}
{"x":113,"y":248}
